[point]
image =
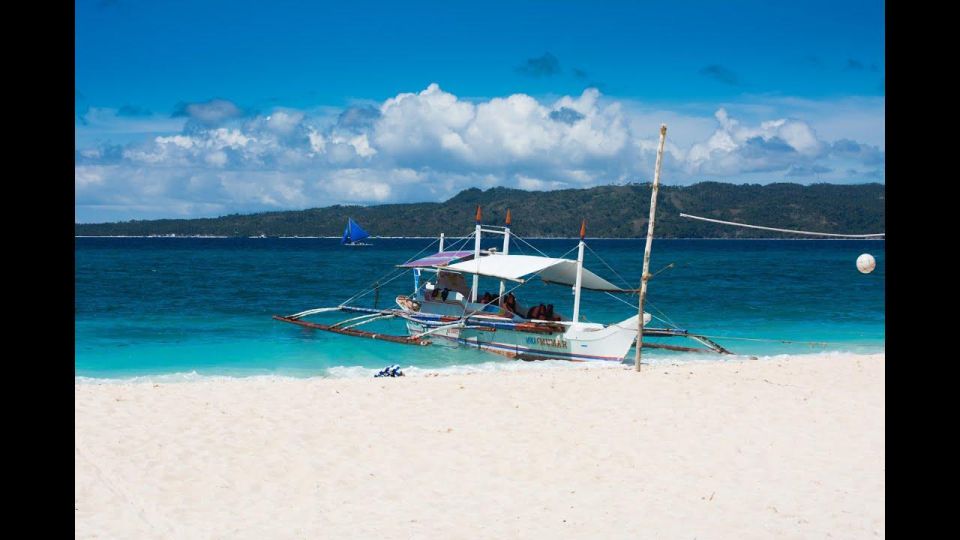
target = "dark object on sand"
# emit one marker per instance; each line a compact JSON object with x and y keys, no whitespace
{"x":390,"y":371}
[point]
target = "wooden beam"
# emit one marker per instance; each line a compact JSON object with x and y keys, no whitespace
{"x":406,"y":340}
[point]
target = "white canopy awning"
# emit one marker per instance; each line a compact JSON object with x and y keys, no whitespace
{"x":550,"y":270}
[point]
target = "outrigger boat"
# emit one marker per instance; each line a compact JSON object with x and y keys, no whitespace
{"x":445,"y":309}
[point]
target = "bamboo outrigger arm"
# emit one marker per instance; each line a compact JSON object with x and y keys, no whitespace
{"x":474,"y":322}
{"x":711,"y":346}
{"x":408,"y":340}
{"x":312,"y":312}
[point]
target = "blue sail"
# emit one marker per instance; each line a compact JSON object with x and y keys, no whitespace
{"x":353,"y":232}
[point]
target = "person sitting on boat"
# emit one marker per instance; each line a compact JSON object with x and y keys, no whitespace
{"x":444,"y":293}
{"x":486,"y":298}
{"x":537,"y":312}
{"x":550,"y":315}
{"x":509,"y":303}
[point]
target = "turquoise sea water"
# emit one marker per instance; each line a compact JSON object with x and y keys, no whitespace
{"x":164,"y":306}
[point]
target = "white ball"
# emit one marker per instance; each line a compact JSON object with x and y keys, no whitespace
{"x":866,"y":263}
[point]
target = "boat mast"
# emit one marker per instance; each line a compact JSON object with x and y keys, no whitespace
{"x":576,"y":287}
{"x":416,"y":271}
{"x":476,"y":257}
{"x":506,"y":249}
{"x":646,"y":251}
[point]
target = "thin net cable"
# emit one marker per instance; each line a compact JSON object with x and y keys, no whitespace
{"x":464,"y":314}
{"x":377,"y":283}
{"x":622,"y":280}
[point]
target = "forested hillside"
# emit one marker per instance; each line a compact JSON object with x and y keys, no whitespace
{"x":611,"y":211}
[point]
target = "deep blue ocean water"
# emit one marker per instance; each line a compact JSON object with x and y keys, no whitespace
{"x":161,"y":306}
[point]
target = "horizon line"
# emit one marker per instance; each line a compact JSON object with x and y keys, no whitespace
{"x":374,"y":205}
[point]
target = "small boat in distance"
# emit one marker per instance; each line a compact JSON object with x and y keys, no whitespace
{"x":353,"y":235}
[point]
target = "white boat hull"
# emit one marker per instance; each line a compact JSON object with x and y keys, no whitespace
{"x":584,"y":342}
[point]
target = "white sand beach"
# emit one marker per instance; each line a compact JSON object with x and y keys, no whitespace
{"x":790,"y":448}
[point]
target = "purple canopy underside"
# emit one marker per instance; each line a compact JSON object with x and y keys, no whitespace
{"x":438,"y":259}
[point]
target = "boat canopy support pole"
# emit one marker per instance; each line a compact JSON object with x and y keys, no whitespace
{"x":576,"y":287}
{"x":506,"y":250}
{"x":476,"y":257}
{"x":646,"y":251}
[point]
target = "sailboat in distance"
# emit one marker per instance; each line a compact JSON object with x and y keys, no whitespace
{"x":354,"y":235}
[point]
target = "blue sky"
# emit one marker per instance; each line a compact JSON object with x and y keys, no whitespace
{"x":203,"y":108}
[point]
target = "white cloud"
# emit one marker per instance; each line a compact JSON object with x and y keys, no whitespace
{"x":318,"y":143}
{"x":217,"y":158}
{"x":431,"y":144}
{"x":84,"y":178}
{"x":357,"y":185}
{"x":415,"y":123}
{"x":284,"y":121}
{"x":211,"y":112}
{"x":100,"y":125}
{"x":177,"y":140}
{"x":773,"y":145}
{"x":535,"y":184}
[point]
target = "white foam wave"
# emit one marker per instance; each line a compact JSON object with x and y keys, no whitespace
{"x":181,"y":377}
{"x":493,"y":366}
{"x":463,"y":369}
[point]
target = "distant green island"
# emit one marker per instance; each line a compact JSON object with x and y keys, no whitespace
{"x":615,"y":211}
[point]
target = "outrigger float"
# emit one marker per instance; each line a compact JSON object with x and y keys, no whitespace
{"x":446,"y":310}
